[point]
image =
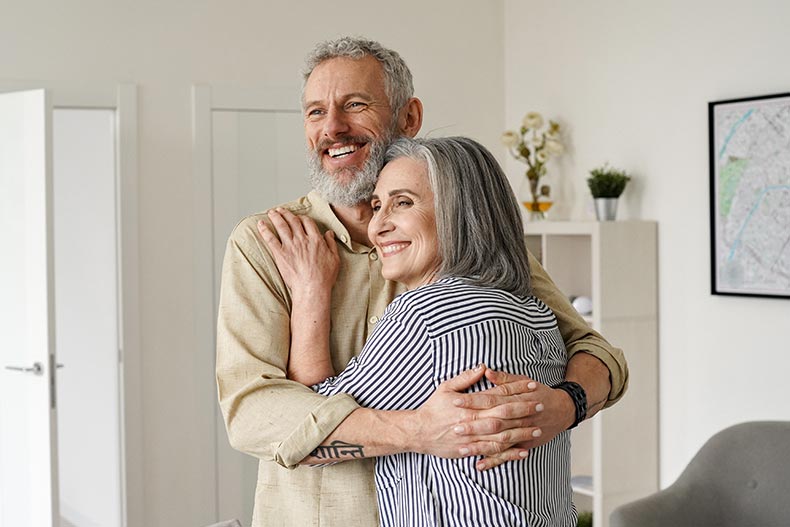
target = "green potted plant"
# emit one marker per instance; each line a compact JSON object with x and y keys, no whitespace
{"x":606,"y":185}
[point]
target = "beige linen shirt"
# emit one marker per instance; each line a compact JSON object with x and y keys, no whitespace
{"x":280,"y":421}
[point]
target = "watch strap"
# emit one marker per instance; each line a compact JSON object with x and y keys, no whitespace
{"x":579,"y":398}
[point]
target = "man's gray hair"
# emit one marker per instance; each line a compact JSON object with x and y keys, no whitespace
{"x":398,"y":83}
{"x":478,"y":220}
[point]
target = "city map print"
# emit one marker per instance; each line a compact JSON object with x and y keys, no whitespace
{"x":750,"y":195}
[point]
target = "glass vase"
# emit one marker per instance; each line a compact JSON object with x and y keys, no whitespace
{"x":536,"y":207}
{"x":537,"y":212}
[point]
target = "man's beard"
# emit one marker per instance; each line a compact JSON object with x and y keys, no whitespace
{"x":358,"y":186}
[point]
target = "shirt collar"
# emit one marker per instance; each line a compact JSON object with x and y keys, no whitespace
{"x":323,"y":213}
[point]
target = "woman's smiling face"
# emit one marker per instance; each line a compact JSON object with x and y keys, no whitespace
{"x":403,"y":227}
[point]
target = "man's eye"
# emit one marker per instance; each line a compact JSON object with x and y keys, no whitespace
{"x":314,"y":112}
{"x":403,"y":202}
{"x":356,"y":105}
{"x":376,"y":207}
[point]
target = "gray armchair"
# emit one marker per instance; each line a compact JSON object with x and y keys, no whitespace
{"x":739,"y":478}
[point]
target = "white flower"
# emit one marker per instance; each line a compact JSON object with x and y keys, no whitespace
{"x":510,"y":139}
{"x":532,"y":120}
{"x":537,"y":140}
{"x":542,"y":156}
{"x":554,"y":147}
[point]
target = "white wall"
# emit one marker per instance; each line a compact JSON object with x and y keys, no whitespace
{"x":631,"y":82}
{"x":455,"y":54}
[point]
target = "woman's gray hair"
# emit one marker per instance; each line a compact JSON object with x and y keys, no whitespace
{"x":398,"y":83}
{"x":478,"y":220}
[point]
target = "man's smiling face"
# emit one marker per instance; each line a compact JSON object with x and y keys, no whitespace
{"x":348,"y":123}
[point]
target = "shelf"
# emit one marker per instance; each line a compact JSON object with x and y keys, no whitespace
{"x":614,"y":455}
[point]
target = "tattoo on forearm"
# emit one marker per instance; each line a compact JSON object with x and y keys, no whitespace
{"x":338,"y":450}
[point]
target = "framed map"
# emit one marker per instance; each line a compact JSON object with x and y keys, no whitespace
{"x":750,"y":196}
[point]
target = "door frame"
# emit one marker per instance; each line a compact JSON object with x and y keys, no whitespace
{"x":121,"y":98}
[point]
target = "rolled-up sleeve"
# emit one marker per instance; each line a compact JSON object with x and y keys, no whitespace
{"x":577,"y":334}
{"x":265,"y":414}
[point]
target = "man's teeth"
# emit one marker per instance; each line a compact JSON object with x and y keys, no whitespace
{"x":343,"y":150}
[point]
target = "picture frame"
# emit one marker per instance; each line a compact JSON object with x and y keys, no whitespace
{"x":749,"y":140}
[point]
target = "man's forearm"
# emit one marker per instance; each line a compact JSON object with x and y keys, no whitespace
{"x":365,"y":433}
{"x":593,"y":375}
{"x":440,"y":427}
{"x":266,"y":415}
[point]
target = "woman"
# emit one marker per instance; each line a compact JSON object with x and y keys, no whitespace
{"x":447,"y":226}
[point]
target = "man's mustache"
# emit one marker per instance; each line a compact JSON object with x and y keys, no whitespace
{"x":323,"y":144}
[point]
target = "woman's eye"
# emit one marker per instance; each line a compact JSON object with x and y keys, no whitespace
{"x":403,"y":202}
{"x":376,"y":207}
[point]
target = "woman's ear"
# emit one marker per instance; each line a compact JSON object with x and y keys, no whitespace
{"x":410,"y":118}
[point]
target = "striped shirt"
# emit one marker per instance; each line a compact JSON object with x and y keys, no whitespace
{"x":429,"y":335}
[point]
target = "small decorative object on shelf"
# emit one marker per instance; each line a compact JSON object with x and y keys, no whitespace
{"x":534,"y":144}
{"x":606,"y":185}
{"x":582,"y":304}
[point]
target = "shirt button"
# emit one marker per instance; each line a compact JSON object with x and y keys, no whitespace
{"x":374,"y":256}
{"x":374,"y":319}
{"x":343,"y":238}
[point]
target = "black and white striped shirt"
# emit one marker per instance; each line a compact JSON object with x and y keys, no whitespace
{"x":426,"y":336}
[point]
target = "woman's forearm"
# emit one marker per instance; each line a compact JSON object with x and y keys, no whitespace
{"x":310,"y":362}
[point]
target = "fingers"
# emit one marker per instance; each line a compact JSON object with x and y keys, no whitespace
{"x":499,"y":377}
{"x":329,"y":237}
{"x":287,"y":224}
{"x":506,"y":412}
{"x":498,"y":443}
{"x":290,"y":227}
{"x":520,"y":391}
{"x":309,"y":226}
{"x":515,"y":453}
{"x":502,"y":430}
{"x":263,"y":230}
{"x":463,"y":380}
{"x":272,"y":241}
{"x":502,"y":379}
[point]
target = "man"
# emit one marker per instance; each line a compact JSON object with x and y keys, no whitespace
{"x":357,"y":96}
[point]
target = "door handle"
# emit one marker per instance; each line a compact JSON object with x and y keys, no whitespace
{"x":36,"y":369}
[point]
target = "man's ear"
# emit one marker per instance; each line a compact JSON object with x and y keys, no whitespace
{"x":410,"y":118}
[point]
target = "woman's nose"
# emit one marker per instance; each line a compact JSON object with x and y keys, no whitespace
{"x":380,"y":224}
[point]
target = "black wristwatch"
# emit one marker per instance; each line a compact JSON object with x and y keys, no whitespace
{"x":579,"y":398}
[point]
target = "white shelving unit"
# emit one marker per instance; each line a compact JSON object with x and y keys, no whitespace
{"x":614,"y":454}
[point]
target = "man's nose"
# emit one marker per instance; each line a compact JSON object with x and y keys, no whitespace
{"x":335,"y":123}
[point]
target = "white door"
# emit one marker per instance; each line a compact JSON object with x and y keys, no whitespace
{"x":28,"y":447}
